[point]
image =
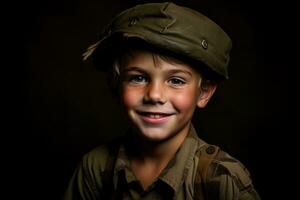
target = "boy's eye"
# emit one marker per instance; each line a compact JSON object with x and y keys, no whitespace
{"x":137,"y":79}
{"x":176,"y":81}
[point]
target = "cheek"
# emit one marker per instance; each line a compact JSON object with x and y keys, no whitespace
{"x":130,"y":97}
{"x":185,"y":101}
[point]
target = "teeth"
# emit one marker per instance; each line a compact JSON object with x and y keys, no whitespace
{"x":155,"y":116}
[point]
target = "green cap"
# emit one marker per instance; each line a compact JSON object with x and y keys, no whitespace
{"x":170,"y":27}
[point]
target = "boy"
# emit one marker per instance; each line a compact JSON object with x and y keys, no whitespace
{"x":163,"y":61}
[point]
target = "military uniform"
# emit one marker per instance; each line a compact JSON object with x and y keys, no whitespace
{"x":198,"y":170}
{"x":226,"y":178}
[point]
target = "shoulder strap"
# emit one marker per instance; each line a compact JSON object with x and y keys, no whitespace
{"x":206,"y":156}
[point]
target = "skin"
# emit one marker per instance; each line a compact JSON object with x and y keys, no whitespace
{"x":159,"y":97}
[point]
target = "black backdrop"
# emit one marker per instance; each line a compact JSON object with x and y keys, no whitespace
{"x":58,"y":106}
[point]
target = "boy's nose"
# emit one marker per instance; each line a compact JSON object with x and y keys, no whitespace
{"x":154,"y":94}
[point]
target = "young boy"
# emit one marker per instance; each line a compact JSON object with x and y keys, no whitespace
{"x":163,"y":61}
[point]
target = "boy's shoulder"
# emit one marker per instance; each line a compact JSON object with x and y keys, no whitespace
{"x":98,"y":157}
{"x":232,"y":165}
{"x":221,"y":162}
{"x":224,"y":175}
{"x":223,"y":165}
{"x":214,"y":162}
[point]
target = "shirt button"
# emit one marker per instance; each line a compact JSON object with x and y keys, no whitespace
{"x":210,"y":150}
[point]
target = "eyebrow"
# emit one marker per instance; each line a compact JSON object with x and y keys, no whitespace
{"x":138,"y":69}
{"x":175,"y":71}
{"x":172,"y":71}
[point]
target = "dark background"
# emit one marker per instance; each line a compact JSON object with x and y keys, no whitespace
{"x":58,"y":107}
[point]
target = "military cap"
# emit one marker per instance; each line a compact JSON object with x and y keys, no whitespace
{"x":171,"y":27}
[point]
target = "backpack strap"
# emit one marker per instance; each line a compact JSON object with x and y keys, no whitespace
{"x":206,"y":156}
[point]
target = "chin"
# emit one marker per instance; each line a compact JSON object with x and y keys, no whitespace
{"x":155,"y":134}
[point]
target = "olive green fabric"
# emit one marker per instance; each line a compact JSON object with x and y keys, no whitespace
{"x":226,"y":179}
{"x":170,"y":27}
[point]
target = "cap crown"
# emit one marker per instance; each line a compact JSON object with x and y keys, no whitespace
{"x":174,"y":28}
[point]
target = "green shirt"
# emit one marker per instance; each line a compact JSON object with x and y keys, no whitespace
{"x":228,"y":179}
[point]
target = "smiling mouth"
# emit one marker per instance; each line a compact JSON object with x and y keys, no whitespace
{"x":154,"y":117}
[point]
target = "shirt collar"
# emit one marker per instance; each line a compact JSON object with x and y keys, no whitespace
{"x":175,"y":172}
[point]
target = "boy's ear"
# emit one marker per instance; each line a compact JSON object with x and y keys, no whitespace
{"x":205,"y":94}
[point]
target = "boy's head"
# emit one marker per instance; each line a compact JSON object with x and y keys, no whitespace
{"x":165,"y":60}
{"x":159,"y":93}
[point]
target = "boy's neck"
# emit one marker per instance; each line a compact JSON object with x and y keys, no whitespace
{"x":148,"y":159}
{"x":145,"y":150}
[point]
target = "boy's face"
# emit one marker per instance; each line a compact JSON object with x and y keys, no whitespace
{"x":159,"y":95}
